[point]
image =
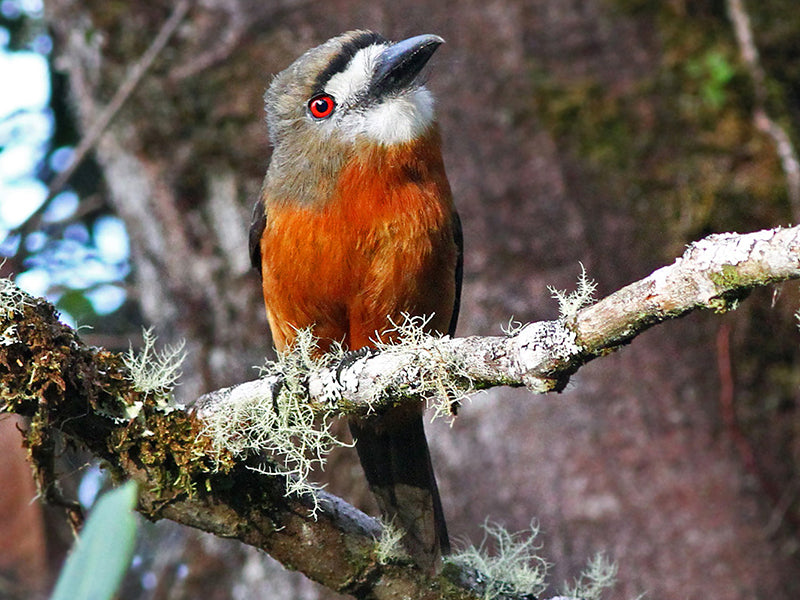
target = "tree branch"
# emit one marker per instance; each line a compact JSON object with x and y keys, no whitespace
{"x":784,"y":148}
{"x":714,"y":273}
{"x":121,"y":96}
{"x":49,"y":375}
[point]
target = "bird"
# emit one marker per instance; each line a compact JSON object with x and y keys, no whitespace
{"x":355,"y":229}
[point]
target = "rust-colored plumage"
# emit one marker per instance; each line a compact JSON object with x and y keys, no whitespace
{"x":356,"y":228}
{"x":382,"y":245}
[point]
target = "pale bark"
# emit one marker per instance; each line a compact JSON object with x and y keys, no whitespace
{"x":713,"y":273}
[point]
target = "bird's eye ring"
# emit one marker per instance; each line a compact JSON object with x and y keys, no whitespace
{"x":321,"y":106}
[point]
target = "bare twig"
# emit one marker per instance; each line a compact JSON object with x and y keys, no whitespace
{"x":728,"y":410}
{"x":761,"y":118}
{"x":781,"y":501}
{"x":221,"y":43}
{"x":134,"y":76}
{"x":224,"y":44}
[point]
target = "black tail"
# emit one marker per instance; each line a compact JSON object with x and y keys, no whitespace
{"x":395,"y":457}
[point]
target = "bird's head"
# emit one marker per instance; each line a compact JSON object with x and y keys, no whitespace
{"x":356,"y":88}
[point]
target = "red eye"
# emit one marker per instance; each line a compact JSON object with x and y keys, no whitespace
{"x":321,"y":106}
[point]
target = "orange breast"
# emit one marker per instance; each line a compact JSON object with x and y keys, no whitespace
{"x":381,"y":246}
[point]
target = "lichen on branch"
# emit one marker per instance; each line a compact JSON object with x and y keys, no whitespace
{"x":87,"y":394}
{"x":714,"y":273}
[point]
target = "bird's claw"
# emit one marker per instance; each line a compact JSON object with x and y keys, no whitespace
{"x":351,"y":357}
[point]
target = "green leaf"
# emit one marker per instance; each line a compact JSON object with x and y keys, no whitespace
{"x":76,"y":304}
{"x":102,"y":554}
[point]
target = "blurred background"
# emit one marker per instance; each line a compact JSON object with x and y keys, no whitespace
{"x":610,"y":132}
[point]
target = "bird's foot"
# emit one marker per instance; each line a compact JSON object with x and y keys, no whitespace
{"x":352,"y":356}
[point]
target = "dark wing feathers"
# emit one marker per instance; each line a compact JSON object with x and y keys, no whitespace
{"x":458,"y":236}
{"x":257,"y":226}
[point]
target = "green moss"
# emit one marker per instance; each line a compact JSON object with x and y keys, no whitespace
{"x":674,"y":144}
{"x":727,"y":278}
{"x":87,"y":394}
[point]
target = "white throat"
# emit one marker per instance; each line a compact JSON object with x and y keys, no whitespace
{"x":398,"y":119}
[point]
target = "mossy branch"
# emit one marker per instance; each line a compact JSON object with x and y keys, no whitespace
{"x":89,"y":396}
{"x":188,"y":475}
{"x":714,"y":273}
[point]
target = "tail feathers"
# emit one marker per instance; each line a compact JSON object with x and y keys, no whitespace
{"x":397,"y":463}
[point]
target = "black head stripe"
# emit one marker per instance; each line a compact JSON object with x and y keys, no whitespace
{"x":340,"y":61}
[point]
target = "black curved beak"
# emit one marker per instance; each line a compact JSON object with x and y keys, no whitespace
{"x":399,"y":65}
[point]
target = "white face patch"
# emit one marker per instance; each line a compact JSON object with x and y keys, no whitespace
{"x":394,"y":120}
{"x":355,"y":78}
